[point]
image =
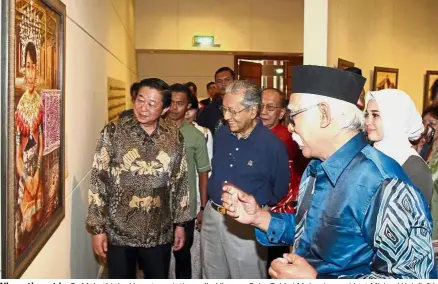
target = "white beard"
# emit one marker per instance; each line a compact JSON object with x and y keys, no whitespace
{"x":298,"y":140}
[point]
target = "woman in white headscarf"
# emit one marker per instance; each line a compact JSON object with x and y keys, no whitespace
{"x":391,"y":122}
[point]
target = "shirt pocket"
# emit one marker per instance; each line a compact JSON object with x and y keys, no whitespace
{"x":338,"y":240}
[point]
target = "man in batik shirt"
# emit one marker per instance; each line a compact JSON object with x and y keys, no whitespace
{"x":358,"y":215}
{"x":139,"y":188}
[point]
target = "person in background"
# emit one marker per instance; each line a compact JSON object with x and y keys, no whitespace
{"x":196,"y":247}
{"x":211,"y":116}
{"x":391,"y":128}
{"x":430,"y":119}
{"x":139,"y":188}
{"x":211,"y":91}
{"x":358,"y":214}
{"x":198,"y":166}
{"x":193,"y":88}
{"x":247,"y":154}
{"x":190,"y":118}
{"x":133,"y":93}
{"x":272,"y":111}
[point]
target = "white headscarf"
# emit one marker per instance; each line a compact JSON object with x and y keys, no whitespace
{"x":401,"y":122}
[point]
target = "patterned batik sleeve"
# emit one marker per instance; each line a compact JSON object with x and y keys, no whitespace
{"x":100,"y":174}
{"x":397,"y":225}
{"x":180,"y":185}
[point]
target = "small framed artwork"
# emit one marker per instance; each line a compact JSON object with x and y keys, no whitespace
{"x":32,"y":123}
{"x":385,"y":78}
{"x":344,"y":64}
{"x":430,"y":88}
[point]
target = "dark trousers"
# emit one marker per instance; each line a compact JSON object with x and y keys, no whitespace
{"x":274,"y":253}
{"x":122,"y":261}
{"x":183,"y":258}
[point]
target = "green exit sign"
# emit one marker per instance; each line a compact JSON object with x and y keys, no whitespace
{"x":204,"y":40}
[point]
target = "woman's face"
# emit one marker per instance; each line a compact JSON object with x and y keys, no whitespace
{"x":432,"y":121}
{"x":373,"y":122}
{"x":30,"y":73}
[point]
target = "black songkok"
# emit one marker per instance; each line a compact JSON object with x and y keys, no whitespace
{"x":328,"y":82}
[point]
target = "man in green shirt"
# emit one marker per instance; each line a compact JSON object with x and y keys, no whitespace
{"x":197,"y":162}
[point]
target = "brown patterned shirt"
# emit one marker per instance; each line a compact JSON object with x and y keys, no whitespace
{"x":139,"y":184}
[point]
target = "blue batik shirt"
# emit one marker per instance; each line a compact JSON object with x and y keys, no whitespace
{"x":358,"y":216}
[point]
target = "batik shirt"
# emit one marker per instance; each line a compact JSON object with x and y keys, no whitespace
{"x":358,"y":216}
{"x":139,"y":186}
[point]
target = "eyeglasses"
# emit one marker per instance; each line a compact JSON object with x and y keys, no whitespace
{"x":268,"y":107}
{"x":294,"y":113}
{"x":232,"y":112}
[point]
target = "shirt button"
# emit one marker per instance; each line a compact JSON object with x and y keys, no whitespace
{"x":237,"y":149}
{"x":271,"y":240}
{"x":273,"y":232}
{"x":231,"y":165}
{"x":229,"y":154}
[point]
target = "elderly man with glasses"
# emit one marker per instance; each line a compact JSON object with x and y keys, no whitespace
{"x":272,"y":111}
{"x":249,"y":155}
{"x":358,"y":214}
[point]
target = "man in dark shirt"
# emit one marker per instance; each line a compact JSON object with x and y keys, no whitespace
{"x":133,"y":93}
{"x":211,"y":91}
{"x":211,"y":115}
{"x":139,"y":188}
{"x":246,"y":153}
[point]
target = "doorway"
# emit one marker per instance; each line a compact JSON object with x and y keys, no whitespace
{"x":267,"y":71}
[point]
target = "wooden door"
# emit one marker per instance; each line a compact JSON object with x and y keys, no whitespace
{"x":250,"y":71}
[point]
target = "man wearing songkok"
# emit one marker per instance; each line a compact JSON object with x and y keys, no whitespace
{"x":358,"y":215}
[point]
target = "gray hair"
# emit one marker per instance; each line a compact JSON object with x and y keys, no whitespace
{"x":251,"y":92}
{"x":348,"y":115}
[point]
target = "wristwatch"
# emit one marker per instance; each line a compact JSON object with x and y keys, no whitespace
{"x":202,"y":208}
{"x":182,"y":224}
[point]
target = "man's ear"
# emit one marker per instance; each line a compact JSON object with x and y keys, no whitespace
{"x":282,"y":113}
{"x":326,"y":117}
{"x":254,"y":112}
{"x":164,"y":111}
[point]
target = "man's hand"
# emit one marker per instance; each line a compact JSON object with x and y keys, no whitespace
{"x":291,"y":266}
{"x":198,"y":223}
{"x":99,"y":244}
{"x":180,"y":238}
{"x":241,"y":206}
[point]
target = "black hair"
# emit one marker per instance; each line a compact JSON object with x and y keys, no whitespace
{"x":133,"y":89}
{"x":31,"y":50}
{"x":282,"y":95}
{"x":180,"y":88}
{"x":434,"y":89}
{"x":194,"y":103}
{"x":225,"y":69}
{"x":193,"y":85}
{"x":432,"y":110}
{"x":157,"y":84}
{"x":209,"y":84}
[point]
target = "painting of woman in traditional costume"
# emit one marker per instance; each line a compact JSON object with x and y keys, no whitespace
{"x":29,"y":154}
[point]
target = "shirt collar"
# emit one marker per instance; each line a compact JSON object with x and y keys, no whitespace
{"x":254,"y":132}
{"x":336,"y":164}
{"x":161,"y":128}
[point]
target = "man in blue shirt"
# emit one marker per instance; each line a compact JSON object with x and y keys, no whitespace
{"x":249,"y":155}
{"x":358,"y":214}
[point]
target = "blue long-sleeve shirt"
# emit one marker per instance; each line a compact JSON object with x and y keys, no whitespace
{"x":258,"y":163}
{"x":358,"y":216}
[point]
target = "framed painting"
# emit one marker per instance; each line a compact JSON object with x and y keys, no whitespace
{"x":344,"y":64}
{"x":385,"y":78}
{"x":430,"y":89}
{"x":32,"y":121}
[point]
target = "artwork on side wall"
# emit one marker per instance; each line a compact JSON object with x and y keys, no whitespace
{"x":344,"y":64}
{"x":430,"y":87}
{"x":33,"y":144}
{"x":385,"y":78}
{"x":116,"y":98}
